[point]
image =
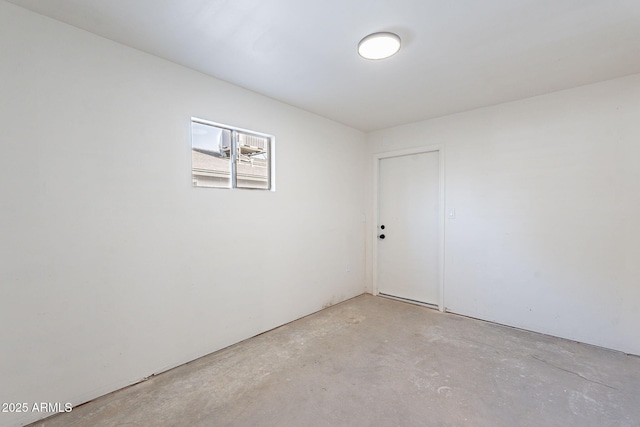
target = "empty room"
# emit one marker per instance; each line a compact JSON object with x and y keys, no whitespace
{"x":305,"y":213}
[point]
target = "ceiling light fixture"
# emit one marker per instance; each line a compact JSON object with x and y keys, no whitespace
{"x":379,"y":45}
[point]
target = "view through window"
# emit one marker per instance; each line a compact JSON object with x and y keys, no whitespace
{"x":225,"y":157}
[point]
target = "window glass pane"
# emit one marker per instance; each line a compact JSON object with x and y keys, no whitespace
{"x":210,"y":156}
{"x":252,"y":161}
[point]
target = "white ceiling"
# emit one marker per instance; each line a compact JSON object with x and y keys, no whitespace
{"x":456,"y":55}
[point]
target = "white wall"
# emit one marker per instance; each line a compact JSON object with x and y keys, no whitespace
{"x":113,"y":266}
{"x":547,"y":198}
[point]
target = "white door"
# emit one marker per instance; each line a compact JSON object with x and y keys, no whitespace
{"x":408,"y":227}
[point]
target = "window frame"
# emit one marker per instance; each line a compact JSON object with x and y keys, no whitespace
{"x":271,"y":182}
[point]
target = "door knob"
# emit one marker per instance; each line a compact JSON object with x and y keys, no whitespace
{"x":381,"y":236}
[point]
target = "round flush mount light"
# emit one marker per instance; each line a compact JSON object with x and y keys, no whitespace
{"x":379,"y":45}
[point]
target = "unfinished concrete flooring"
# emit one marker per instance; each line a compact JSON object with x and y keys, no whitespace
{"x":372,"y":361}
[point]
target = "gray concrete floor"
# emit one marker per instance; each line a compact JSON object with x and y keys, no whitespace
{"x":372,"y":361}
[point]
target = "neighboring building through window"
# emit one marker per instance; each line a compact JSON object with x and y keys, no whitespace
{"x":226,"y":157}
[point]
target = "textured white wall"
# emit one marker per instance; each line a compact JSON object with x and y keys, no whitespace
{"x":113,"y":267}
{"x":547,"y":198}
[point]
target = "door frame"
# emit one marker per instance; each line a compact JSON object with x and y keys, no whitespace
{"x":441,"y":214}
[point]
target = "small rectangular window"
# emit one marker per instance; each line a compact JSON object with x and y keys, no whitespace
{"x":226,"y":157}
